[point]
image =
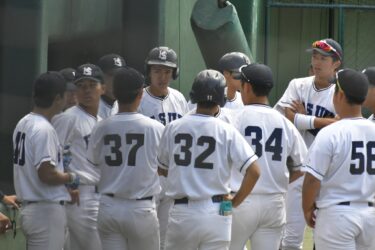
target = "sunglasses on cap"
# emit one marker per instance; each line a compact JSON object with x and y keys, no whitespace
{"x":323,"y":45}
{"x":241,"y":74}
{"x":337,"y":81}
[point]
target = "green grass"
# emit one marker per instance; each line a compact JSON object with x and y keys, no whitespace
{"x":307,"y":242}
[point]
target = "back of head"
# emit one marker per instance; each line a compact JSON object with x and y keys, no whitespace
{"x":109,"y":63}
{"x":354,"y":84}
{"x":163,"y":56}
{"x":127,"y":83}
{"x":89,"y":71}
{"x":370,"y":73}
{"x":69,"y":75}
{"x":46,"y":87}
{"x":233,"y":61}
{"x":259,"y":76}
{"x":208,"y":86}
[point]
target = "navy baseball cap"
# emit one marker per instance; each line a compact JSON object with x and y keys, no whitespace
{"x":110,"y":62}
{"x":127,"y":79}
{"x":370,"y":73}
{"x":354,"y":84}
{"x":256,"y":73}
{"x":327,"y":47}
{"x":89,"y":71}
{"x":69,"y":74}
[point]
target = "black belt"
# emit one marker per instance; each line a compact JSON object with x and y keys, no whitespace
{"x":347,"y":203}
{"x":140,"y":199}
{"x":185,"y":200}
{"x":62,"y":203}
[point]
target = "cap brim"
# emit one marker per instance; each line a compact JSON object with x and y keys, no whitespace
{"x":168,"y":64}
{"x":87,"y":77}
{"x":320,"y":51}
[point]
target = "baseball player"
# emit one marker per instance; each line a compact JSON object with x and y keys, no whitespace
{"x":108,"y":64}
{"x":197,"y":153}
{"x":39,"y":176}
{"x":123,"y":148}
{"x":274,"y":139}
{"x":339,"y":186}
{"x":70,"y":94}
{"x":228,"y":65}
{"x":307,"y":102}
{"x":164,"y":104}
{"x":370,"y":100}
{"x":74,"y":128}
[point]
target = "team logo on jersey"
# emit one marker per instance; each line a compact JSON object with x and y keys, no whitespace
{"x":163,"y":54}
{"x":87,"y":71}
{"x":117,"y":61}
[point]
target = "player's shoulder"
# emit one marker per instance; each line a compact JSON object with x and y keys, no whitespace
{"x":175,"y":93}
{"x":302,"y":82}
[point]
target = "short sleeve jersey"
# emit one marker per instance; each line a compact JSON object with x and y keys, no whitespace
{"x":74,"y":128}
{"x":317,"y":102}
{"x":199,"y":151}
{"x":274,"y":138}
{"x":342,"y":157}
{"x":123,"y":147}
{"x":35,"y":141}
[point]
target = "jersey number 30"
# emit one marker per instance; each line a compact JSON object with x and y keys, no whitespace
{"x":114,"y":140}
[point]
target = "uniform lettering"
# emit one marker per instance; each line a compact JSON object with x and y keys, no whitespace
{"x":19,"y":149}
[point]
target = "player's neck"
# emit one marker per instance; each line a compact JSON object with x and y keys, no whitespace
{"x":91,"y":110}
{"x":127,"y":108}
{"x":321,"y":82}
{"x":158,"y":92}
{"x":257,"y":100}
{"x":47,"y":113}
{"x":208,"y":111}
{"x":231,"y":93}
{"x":351,"y":111}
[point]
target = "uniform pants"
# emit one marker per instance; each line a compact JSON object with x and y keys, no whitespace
{"x":82,"y":221}
{"x":294,"y":229}
{"x":198,"y":225}
{"x":259,"y":218}
{"x":43,"y":225}
{"x":342,"y":227}
{"x":128,"y":224}
{"x":163,"y":204}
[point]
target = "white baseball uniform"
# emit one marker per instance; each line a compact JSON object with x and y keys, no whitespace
{"x":164,"y":110}
{"x":123,"y":147}
{"x":74,"y":128}
{"x":274,"y":138}
{"x":43,"y":216}
{"x":224,"y":114}
{"x":199,"y":151}
{"x":342,"y":159}
{"x":105,"y":110}
{"x":318,"y":103}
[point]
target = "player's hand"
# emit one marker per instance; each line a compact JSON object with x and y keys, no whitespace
{"x":227,"y":197}
{"x":11,"y":200}
{"x":298,"y":107}
{"x":74,"y":195}
{"x":5,"y":223}
{"x":310,"y":218}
